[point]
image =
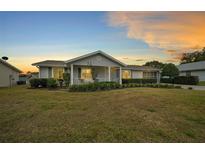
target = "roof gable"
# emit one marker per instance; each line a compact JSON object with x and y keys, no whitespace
{"x":10,"y":66}
{"x":81,"y":58}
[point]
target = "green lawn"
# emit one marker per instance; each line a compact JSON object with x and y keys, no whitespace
{"x":126,"y":115}
{"x":201,"y":83}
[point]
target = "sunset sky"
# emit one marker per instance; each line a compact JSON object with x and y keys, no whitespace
{"x":132,"y":37}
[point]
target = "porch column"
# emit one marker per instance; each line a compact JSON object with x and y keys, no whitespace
{"x":109,"y":74}
{"x":52,"y":72}
{"x":120,"y":75}
{"x":71,"y":74}
{"x":158,"y":77}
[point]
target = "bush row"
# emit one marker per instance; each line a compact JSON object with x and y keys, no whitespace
{"x":187,"y":80}
{"x":150,"y":85}
{"x":94,"y":86}
{"x":112,"y":85}
{"x":141,"y":81}
{"x":43,"y":83}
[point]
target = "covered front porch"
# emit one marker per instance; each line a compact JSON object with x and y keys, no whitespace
{"x":81,"y":74}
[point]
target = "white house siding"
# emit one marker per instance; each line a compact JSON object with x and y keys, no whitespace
{"x":47,"y":72}
{"x":196,"y":69}
{"x":43,"y":72}
{"x":200,"y":74}
{"x":5,"y":73}
{"x":182,"y":74}
{"x":96,"y":60}
{"x":137,"y":74}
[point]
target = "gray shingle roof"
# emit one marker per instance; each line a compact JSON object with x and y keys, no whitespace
{"x":141,"y":68}
{"x":192,"y":66}
{"x":50,"y":63}
{"x":94,"y":53}
{"x":63,"y":63}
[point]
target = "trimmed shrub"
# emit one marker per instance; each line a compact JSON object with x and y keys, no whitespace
{"x":187,"y":80}
{"x":190,"y":88}
{"x":43,"y":82}
{"x":52,"y":83}
{"x":140,"y":81}
{"x":38,"y":83}
{"x":34,"y":83}
{"x":94,"y":86}
{"x":178,"y":87}
{"x":66,"y":78}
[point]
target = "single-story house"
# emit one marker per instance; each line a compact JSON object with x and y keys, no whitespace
{"x":96,"y":66}
{"x":23,"y":77}
{"x":193,"y":69}
{"x":9,"y":74}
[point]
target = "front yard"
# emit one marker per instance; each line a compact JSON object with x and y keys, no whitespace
{"x":124,"y":115}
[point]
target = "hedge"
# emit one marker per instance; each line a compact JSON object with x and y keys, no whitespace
{"x":38,"y":83}
{"x":187,"y":80}
{"x":52,"y":83}
{"x":112,"y":85}
{"x":94,"y":86}
{"x":141,"y":81}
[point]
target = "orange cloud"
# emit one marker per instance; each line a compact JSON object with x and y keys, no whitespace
{"x":170,"y":51}
{"x":175,"y":32}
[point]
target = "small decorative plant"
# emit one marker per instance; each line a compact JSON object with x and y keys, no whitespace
{"x":52,"y":83}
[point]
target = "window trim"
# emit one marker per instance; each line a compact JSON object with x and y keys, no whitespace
{"x":130,"y":74}
{"x":81,"y":75}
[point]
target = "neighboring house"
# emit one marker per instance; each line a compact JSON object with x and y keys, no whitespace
{"x":193,"y":69}
{"x":23,"y":77}
{"x":9,"y":74}
{"x":96,"y":66}
{"x":26,"y":77}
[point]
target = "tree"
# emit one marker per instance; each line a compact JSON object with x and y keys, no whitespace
{"x":155,"y":64}
{"x":170,"y":70}
{"x":193,"y":56}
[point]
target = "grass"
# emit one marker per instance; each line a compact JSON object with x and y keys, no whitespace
{"x":201,"y":83}
{"x":125,"y":115}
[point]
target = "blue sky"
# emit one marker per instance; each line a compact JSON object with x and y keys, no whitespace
{"x":27,"y":37}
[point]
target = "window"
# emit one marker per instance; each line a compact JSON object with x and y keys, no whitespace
{"x":58,"y":72}
{"x":149,"y":75}
{"x":126,"y":74}
{"x":86,"y":73}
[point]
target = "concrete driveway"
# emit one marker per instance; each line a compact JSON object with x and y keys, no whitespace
{"x":193,"y":87}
